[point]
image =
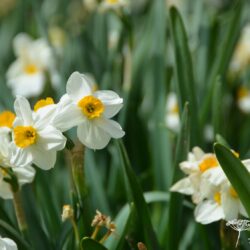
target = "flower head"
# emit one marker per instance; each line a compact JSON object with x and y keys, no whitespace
{"x":172,"y":113}
{"x":34,"y":138}
{"x":90,"y":111}
{"x":24,"y":174}
{"x":215,"y":197}
{"x":27,"y":75}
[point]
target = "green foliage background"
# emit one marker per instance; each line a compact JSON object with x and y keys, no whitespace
{"x":159,"y":50}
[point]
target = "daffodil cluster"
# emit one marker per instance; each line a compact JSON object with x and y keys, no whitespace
{"x":34,"y":135}
{"x":211,"y":191}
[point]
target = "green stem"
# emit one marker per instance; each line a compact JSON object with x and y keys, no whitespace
{"x":19,"y":212}
{"x":75,"y":231}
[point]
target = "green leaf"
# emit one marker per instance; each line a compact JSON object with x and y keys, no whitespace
{"x":135,"y":196}
{"x":236,"y":172}
{"x":222,"y":58}
{"x":122,"y":220}
{"x":90,"y":244}
{"x":184,"y":71}
{"x":14,"y":234}
{"x":176,"y":200}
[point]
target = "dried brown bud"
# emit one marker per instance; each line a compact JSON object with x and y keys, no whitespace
{"x":68,"y":212}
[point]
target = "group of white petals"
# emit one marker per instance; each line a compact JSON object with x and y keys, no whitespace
{"x":211,"y":191}
{"x":33,"y":136}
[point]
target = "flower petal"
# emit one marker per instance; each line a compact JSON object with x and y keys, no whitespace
{"x":68,"y":117}
{"x":51,"y":138}
{"x":183,"y":186}
{"x":25,"y":174}
{"x":111,"y":127}
{"x":21,"y":44}
{"x":27,"y":85}
{"x":92,"y":136}
{"x":23,"y":110}
{"x":77,"y":87}
{"x":20,"y":157}
{"x":208,"y":211}
{"x":42,"y":158}
{"x":230,"y":205}
{"x":5,"y":190}
{"x":44,"y":116}
{"x":112,"y":102}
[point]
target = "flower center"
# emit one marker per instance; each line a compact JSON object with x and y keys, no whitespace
{"x":208,"y":162}
{"x":30,"y":69}
{"x":175,"y":109}
{"x":233,"y":193}
{"x":24,"y":136}
{"x":6,"y":119}
{"x":43,"y":102}
{"x":91,"y":107}
{"x":217,"y":197}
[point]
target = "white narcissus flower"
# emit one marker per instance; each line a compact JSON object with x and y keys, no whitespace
{"x":172,"y":112}
{"x":195,"y":167}
{"x":24,"y":174}
{"x":223,"y":203}
{"x":210,"y":189}
{"x":34,"y":139}
{"x":7,"y":244}
{"x":27,"y":75}
{"x":90,"y":111}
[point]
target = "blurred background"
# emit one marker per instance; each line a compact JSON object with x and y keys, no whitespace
{"x":156,"y":63}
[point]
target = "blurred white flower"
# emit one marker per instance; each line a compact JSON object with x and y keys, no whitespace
{"x":90,"y":111}
{"x":243,"y":99}
{"x":195,"y":167}
{"x":34,"y":139}
{"x":7,"y":244}
{"x":27,"y":75}
{"x":209,"y":187}
{"x":241,"y":56}
{"x":209,"y":133}
{"x":172,"y":113}
{"x":24,"y":174}
{"x":224,"y":203}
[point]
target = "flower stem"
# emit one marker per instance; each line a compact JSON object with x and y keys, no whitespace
{"x":19,"y":212}
{"x":94,"y":234}
{"x":105,"y":237}
{"x":75,"y":231}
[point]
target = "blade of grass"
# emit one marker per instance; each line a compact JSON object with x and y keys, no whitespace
{"x":172,"y":236}
{"x":236,"y":172}
{"x":135,"y":195}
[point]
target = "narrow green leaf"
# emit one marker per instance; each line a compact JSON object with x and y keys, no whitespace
{"x":236,"y":172}
{"x":223,"y":58}
{"x":15,"y":235}
{"x":175,"y":204}
{"x":135,"y":195}
{"x":184,"y":71}
{"x":90,"y":244}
